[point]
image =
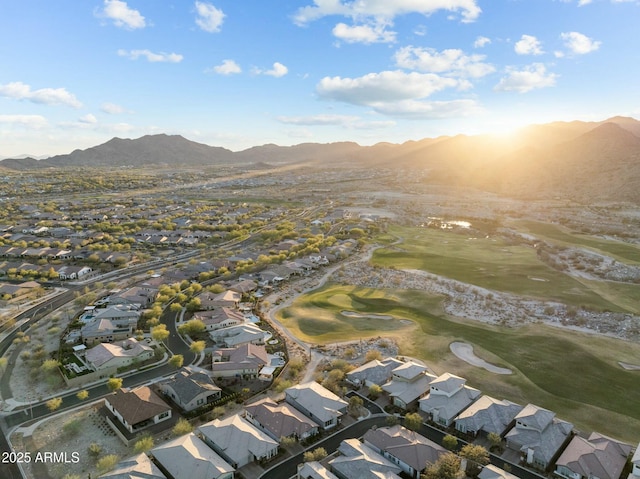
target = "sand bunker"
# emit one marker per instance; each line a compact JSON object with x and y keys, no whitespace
{"x":629,"y":367}
{"x":353,"y":314}
{"x":464,"y":351}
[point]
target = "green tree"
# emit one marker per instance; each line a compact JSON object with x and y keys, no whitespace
{"x":192,"y":327}
{"x":494,"y":439}
{"x":114,"y":384}
{"x":375,"y":391}
{"x":316,"y":455}
{"x":144,"y":444}
{"x":450,"y":442}
{"x":476,"y":456}
{"x":159,"y":333}
{"x":412,"y":421}
{"x":106,"y":463}
{"x":197,"y":347}
{"x":355,"y":405}
{"x":176,"y":360}
{"x":182,"y":427}
{"x":54,"y":403}
{"x":175,"y":307}
{"x":446,"y":467}
{"x":50,"y":366}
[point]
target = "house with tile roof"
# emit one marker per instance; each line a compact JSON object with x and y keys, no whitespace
{"x":245,"y":361}
{"x":314,"y":470}
{"x":538,"y":435}
{"x":493,"y":472}
{"x":238,"y":441}
{"x":136,"y":467}
{"x":190,"y":388}
{"x":448,"y":396}
{"x":408,"y":449}
{"x":280,"y":420}
{"x":376,"y":372}
{"x":357,"y":460}
{"x":408,"y":383}
{"x":137,"y":408}
{"x":108,"y":357}
{"x":238,"y":335}
{"x":317,"y":403}
{"x":189,"y":457}
{"x":219,"y":318}
{"x":487,"y":415}
{"x":595,"y":457}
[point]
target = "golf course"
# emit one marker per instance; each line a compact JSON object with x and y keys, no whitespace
{"x":575,"y":374}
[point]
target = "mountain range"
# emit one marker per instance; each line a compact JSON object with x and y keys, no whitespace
{"x":582,"y":161}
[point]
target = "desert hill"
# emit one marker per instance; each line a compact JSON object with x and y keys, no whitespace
{"x":584,"y":161}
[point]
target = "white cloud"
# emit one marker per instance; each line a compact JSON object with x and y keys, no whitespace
{"x":112,"y":109}
{"x":528,"y":45}
{"x":451,"y":61}
{"x":151,"y":56}
{"x":209,"y":17}
{"x":346,"y":121}
{"x":387,"y":92}
{"x":579,"y":44}
{"x":429,"y":110}
{"x":278,"y":70}
{"x":228,"y":67}
{"x":532,"y":77}
{"x":384,"y":9}
{"x":88,"y":119}
{"x":367,"y":34}
{"x":318,"y":120}
{"x":481,"y":42}
{"x":26,"y":121}
{"x":46,"y":96}
{"x":122,"y":15}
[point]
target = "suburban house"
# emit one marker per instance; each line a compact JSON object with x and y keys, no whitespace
{"x":229,"y":299}
{"x":493,"y":472}
{"x":314,"y":470}
{"x":244,"y":287}
{"x":219,"y":318}
{"x":238,"y":335}
{"x":376,"y":372}
{"x":245,"y":361}
{"x":143,"y":296}
{"x":108,"y":357}
{"x":409,"y":382}
{"x":73,"y":272}
{"x":595,"y":457}
{"x":357,"y":460}
{"x":137,"y":408}
{"x":280,"y":420}
{"x":190,"y":388}
{"x":635,"y":462}
{"x":317,"y":403}
{"x":110,"y":324}
{"x":408,"y":449}
{"x":448,"y":396}
{"x":189,"y":457}
{"x":136,"y":467}
{"x":487,"y":415}
{"x":538,"y":435}
{"x":238,"y":441}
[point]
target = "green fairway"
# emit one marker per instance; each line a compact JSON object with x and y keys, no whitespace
{"x":495,"y":264}
{"x":574,"y":374}
{"x":621,"y":251}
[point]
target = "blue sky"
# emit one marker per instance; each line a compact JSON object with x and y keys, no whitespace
{"x":240,"y":73}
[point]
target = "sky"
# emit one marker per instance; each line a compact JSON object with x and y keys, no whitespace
{"x":242,"y":73}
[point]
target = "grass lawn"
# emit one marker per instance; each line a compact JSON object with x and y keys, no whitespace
{"x":574,"y":374}
{"x":495,"y":264}
{"x":623,"y":252}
